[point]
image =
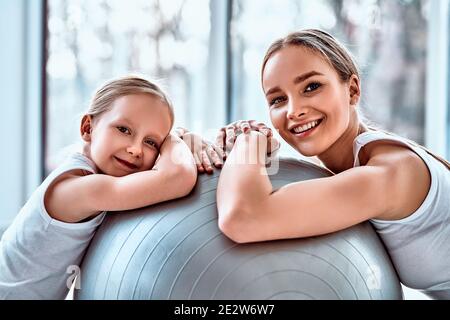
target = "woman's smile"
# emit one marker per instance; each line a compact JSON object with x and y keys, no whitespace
{"x":305,"y":129}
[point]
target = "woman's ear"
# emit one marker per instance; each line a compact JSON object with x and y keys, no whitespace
{"x":86,"y":128}
{"x":354,"y":90}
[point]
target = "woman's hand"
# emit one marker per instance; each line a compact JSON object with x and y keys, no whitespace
{"x":227,"y":135}
{"x":205,"y":153}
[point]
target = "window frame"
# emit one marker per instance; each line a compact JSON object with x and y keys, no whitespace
{"x":437,"y":81}
{"x":22,"y":85}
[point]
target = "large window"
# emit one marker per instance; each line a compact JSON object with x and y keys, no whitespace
{"x":387,"y":37}
{"x":91,"y":41}
{"x":177,"y":41}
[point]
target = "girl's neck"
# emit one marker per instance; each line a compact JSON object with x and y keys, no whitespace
{"x":86,"y":150}
{"x":339,"y":156}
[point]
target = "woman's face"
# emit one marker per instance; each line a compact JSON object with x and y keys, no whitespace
{"x":309,"y":105}
{"x":126,"y":139}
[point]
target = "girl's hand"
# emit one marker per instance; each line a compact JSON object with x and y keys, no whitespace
{"x":166,"y":157}
{"x":227,"y":135}
{"x":205,"y":153}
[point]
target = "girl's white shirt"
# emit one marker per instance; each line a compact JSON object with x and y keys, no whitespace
{"x":39,"y":255}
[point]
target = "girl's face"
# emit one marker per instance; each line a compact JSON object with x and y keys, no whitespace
{"x":126,"y":139}
{"x":309,"y":105}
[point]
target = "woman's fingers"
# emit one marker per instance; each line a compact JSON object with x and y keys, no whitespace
{"x":227,"y":135}
{"x":261,"y":127}
{"x":180,"y":131}
{"x":220,"y":140}
{"x":272,"y":145}
{"x":229,"y":139}
{"x":243,"y":125}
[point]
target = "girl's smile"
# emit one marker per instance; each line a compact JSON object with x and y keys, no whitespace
{"x":125,"y":164}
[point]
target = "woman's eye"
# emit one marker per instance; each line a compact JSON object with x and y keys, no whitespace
{"x":124,"y":130}
{"x":276,"y":101}
{"x":312,"y":86}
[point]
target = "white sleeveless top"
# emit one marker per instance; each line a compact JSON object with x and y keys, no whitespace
{"x":419,"y":245}
{"x":39,"y":255}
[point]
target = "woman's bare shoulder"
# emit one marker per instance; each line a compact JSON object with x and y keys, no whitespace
{"x":408,"y":173}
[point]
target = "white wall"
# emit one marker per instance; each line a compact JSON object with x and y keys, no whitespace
{"x":20,"y":92}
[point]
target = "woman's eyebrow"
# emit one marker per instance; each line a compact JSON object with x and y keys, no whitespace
{"x":297,"y":80}
{"x":306,"y":75}
{"x":272,"y":90}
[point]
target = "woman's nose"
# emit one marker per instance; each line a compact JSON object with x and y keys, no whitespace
{"x":295,"y":110}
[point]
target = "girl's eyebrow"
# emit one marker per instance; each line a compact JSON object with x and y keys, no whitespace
{"x":297,"y":80}
{"x":157,"y":138}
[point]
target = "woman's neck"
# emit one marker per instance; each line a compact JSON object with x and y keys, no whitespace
{"x":339,"y":156}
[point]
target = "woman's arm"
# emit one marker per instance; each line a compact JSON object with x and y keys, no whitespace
{"x":76,"y":198}
{"x":249,"y":209}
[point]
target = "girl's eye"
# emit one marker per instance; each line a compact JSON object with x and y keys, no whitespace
{"x":276,"y":101}
{"x":124,"y":130}
{"x":151,"y":143}
{"x":312,"y":86}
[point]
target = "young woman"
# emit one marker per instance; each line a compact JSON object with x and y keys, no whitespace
{"x":312,"y":87}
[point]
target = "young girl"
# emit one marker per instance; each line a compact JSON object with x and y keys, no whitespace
{"x":125,"y":130}
{"x":312,"y":87}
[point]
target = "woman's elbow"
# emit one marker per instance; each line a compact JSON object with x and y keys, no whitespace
{"x":233,"y":227}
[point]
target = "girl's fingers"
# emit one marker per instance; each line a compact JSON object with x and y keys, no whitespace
{"x":220,"y":153}
{"x":214,"y":156}
{"x":200,"y":168}
{"x":206,"y":162}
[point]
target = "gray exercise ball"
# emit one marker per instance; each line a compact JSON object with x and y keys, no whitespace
{"x":175,"y":250}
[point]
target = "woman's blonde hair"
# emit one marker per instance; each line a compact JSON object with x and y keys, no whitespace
{"x":336,"y":55}
{"x":127,"y":85}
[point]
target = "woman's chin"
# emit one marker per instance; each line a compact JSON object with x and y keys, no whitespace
{"x":304,"y":151}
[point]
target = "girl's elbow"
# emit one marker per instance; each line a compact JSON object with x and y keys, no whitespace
{"x":186,"y":178}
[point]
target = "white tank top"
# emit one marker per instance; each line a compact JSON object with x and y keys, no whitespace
{"x":419,"y":245}
{"x":40,"y":255}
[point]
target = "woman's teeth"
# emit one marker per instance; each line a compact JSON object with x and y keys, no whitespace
{"x":306,"y":126}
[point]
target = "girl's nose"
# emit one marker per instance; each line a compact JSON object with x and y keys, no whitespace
{"x":135,"y":150}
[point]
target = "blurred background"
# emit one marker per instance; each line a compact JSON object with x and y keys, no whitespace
{"x":207,"y":55}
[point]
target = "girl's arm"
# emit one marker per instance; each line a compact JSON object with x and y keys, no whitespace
{"x":249,"y":210}
{"x":77,"y":198}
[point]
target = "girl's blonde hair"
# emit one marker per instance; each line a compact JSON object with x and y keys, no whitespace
{"x":336,"y":55}
{"x":116,"y":88}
